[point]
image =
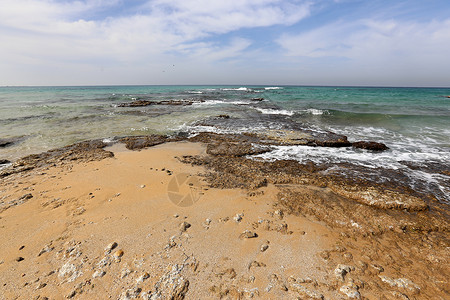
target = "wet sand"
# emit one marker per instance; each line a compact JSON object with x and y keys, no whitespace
{"x":116,"y":227}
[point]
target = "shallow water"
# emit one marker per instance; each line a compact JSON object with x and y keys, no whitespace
{"x":413,"y":122}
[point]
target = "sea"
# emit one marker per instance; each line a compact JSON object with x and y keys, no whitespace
{"x":413,"y":122}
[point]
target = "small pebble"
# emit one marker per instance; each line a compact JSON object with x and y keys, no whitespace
{"x":184,"y":226}
{"x":110,"y":247}
{"x":21,"y":247}
{"x":248,"y":235}
{"x":264,"y":247}
{"x":98,"y":273}
{"x":142,"y":186}
{"x":20,"y":258}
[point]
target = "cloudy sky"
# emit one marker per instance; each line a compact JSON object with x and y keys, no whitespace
{"x":299,"y":42}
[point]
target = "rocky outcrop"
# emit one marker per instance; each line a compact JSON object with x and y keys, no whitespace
{"x":84,"y":151}
{"x":374,"y":146}
{"x":139,"y":103}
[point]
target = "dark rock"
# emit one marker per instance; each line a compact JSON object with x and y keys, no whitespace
{"x":139,"y":103}
{"x":4,"y":161}
{"x":223,"y":117}
{"x":7,"y":142}
{"x":136,"y":103}
{"x":20,"y":258}
{"x":83,"y":151}
{"x":257,"y":99}
{"x":140,"y":142}
{"x":374,"y":146}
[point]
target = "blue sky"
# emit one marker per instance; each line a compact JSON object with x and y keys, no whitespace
{"x":300,"y":42}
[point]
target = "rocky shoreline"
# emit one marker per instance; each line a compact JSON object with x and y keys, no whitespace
{"x":388,"y":241}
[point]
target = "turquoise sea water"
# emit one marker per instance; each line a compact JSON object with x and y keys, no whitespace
{"x":413,"y":122}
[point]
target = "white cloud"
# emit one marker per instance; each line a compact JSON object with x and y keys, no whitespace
{"x":48,"y":33}
{"x":375,"y":49}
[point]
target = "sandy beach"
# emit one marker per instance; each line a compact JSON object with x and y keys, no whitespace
{"x":171,"y":220}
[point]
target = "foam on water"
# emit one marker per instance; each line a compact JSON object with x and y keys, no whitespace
{"x":273,"y":88}
{"x":269,"y":111}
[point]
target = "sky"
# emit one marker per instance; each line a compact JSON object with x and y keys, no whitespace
{"x":238,"y":42}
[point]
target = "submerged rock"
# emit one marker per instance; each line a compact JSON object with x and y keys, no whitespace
{"x":374,"y":146}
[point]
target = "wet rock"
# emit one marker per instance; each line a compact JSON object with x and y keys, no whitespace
{"x":341,"y":271}
{"x":351,"y":290}
{"x":247,"y":234}
{"x":7,"y":142}
{"x":141,"y":142}
{"x":373,"y":146}
{"x":236,"y":149}
{"x":110,"y":247}
{"x":223,"y":116}
{"x":184,"y":226}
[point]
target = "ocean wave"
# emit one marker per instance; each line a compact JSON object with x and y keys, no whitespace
{"x":244,"y":89}
{"x":219,"y":102}
{"x":194,"y":92}
{"x":314,"y":111}
{"x":269,"y":111}
{"x":273,"y":88}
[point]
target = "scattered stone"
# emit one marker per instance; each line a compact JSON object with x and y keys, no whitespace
{"x":377,"y":268}
{"x":171,"y":243}
{"x":279,"y":213}
{"x":21,"y":247}
{"x":303,"y":291}
{"x":118,"y":255}
{"x":41,"y":286}
{"x":143,"y":277}
{"x":341,"y":271}
{"x":98,"y":273}
{"x":125,"y":272}
{"x":47,"y":248}
{"x":176,"y":216}
{"x":247,"y":234}
{"x":132,"y":293}
{"x":68,"y":272}
{"x":351,"y":290}
{"x":106,"y":261}
{"x":20,"y":258}
{"x":142,"y":186}
{"x":184,"y":226}
{"x":224,"y":220}
{"x":264,"y":247}
{"x":256,"y":264}
{"x":171,"y":285}
{"x":403,"y":283}
{"x":110,"y":247}
{"x":238,"y":217}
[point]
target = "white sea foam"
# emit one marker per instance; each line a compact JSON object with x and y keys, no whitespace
{"x":244,"y":89}
{"x":195,"y":92}
{"x":269,"y":111}
{"x":273,"y":88}
{"x":220,"y":102}
{"x":314,"y":111}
